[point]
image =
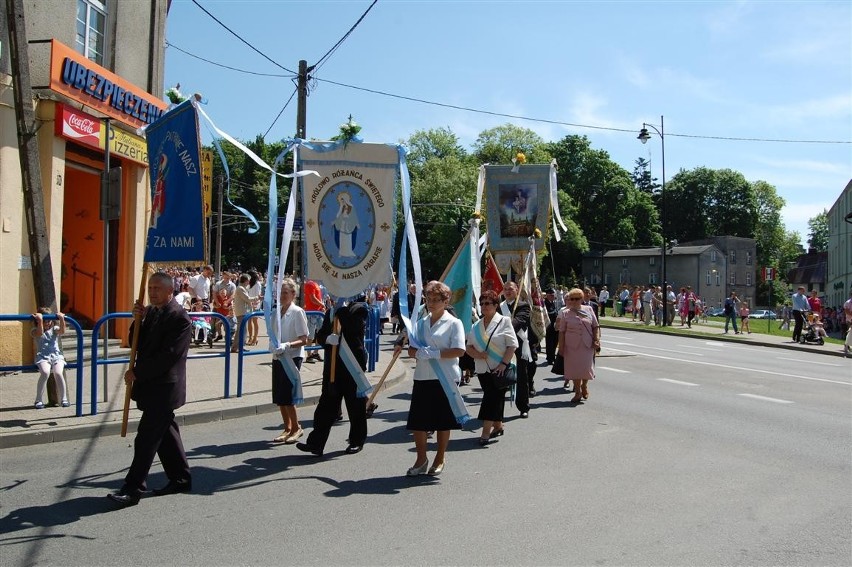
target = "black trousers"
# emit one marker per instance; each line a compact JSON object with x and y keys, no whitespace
{"x":551,"y":337}
{"x":158,"y":434}
{"x":327,"y":410}
{"x":522,"y":388}
{"x":800,"y":321}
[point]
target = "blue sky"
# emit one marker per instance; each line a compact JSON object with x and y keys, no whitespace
{"x":767,"y":70}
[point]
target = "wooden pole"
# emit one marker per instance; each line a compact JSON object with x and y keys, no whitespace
{"x":382,"y":379}
{"x":335,"y":328}
{"x":137,"y":324}
{"x":455,"y":256}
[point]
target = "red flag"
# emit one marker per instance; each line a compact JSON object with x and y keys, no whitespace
{"x":491,"y":278}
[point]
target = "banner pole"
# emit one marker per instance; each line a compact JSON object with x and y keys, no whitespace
{"x":382,"y":379}
{"x":452,"y":261}
{"x":134,"y":343}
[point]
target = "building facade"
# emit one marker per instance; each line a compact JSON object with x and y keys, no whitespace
{"x":714,"y":267}
{"x":839,"y":261}
{"x":89,"y":61}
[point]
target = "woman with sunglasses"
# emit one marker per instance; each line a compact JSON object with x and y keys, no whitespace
{"x":431,"y":410}
{"x":491,"y":343}
{"x":579,"y":340}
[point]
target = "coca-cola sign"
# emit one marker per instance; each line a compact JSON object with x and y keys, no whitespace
{"x":78,"y":126}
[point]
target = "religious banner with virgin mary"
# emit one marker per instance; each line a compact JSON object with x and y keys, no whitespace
{"x":348,"y":213}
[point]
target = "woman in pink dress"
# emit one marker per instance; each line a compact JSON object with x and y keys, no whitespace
{"x":579,"y":341}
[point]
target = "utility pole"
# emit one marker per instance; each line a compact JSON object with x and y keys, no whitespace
{"x":301,"y":133}
{"x":42,"y":270}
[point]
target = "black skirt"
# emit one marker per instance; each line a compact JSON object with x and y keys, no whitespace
{"x":282,"y":388}
{"x":430,"y":408}
{"x":493,"y":399}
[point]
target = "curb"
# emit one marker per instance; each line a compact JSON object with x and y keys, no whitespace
{"x":105,"y":428}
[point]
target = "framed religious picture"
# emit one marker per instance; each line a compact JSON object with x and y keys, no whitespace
{"x":516,"y":203}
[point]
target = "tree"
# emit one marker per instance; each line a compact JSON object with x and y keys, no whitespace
{"x":705,"y":202}
{"x":818,"y":232}
{"x":642,"y":177}
{"x":499,"y":145}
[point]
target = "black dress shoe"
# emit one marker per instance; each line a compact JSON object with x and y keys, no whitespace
{"x":174,"y":487}
{"x":304,"y":447}
{"x":126,"y":497}
{"x":352,"y":449}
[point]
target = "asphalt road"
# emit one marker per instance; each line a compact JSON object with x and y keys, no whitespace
{"x":688,"y":452}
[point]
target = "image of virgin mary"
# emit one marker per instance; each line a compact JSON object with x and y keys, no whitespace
{"x":345,"y":226}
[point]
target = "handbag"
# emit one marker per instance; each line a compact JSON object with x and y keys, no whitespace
{"x":558,"y":365}
{"x":510,"y":375}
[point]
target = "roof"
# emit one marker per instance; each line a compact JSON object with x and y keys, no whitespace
{"x":647,"y":252}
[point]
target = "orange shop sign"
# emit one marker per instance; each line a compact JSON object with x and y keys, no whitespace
{"x":83,"y":80}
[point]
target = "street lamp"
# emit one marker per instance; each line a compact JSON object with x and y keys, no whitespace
{"x":643,"y":137}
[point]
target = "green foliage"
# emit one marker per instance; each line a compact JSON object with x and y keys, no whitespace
{"x":705,"y":202}
{"x":818,"y":232}
{"x":499,"y":145}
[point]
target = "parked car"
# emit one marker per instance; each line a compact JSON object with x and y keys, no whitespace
{"x":715,"y":312}
{"x":762,"y":314}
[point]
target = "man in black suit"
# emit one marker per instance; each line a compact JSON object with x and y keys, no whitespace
{"x":524,"y":354}
{"x":158,"y":384}
{"x":353,"y":323}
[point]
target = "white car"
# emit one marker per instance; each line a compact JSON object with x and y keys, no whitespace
{"x":762,"y":314}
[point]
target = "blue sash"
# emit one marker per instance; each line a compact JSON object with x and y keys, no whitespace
{"x":451,"y":389}
{"x":363,"y":386}
{"x":294,"y":376}
{"x":481,"y":339}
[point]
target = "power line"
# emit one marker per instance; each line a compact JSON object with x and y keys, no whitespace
{"x":325,"y":57}
{"x":236,"y":35}
{"x":282,"y":111}
{"x":172,"y":45}
{"x":560,"y":123}
{"x":548,"y":121}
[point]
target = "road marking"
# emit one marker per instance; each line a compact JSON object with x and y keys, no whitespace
{"x":619,"y":370}
{"x":808,"y":363}
{"x":719,"y":365}
{"x":765,"y":399}
{"x":617,"y":343}
{"x":679,"y":382}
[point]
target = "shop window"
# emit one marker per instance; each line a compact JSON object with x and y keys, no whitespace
{"x":91,"y":29}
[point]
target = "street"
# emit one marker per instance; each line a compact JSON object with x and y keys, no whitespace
{"x":688,"y":452}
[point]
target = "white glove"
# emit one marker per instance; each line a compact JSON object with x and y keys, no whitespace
{"x":332,"y":339}
{"x":427,"y":352}
{"x":281,"y":349}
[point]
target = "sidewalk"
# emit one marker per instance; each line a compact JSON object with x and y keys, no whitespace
{"x":714,"y":330}
{"x":21,"y":424}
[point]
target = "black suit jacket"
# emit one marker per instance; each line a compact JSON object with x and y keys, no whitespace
{"x":353,"y":327}
{"x":160,"y":367}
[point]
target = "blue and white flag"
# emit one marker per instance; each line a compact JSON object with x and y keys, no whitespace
{"x":176,"y":226}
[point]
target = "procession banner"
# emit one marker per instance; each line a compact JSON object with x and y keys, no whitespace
{"x":176,"y":225}
{"x":516,"y":203}
{"x":349,"y":214}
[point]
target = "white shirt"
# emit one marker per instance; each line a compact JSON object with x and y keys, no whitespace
{"x":294,"y":324}
{"x":200,"y":285}
{"x":603,"y":296}
{"x":503,"y":337}
{"x":447,"y":332}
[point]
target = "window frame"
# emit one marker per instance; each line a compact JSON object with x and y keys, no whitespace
{"x":93,"y":8}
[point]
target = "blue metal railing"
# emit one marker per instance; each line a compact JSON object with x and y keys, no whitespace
{"x":124,"y":360}
{"x":78,"y":402}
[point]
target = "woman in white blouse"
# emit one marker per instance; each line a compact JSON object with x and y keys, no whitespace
{"x":443,"y":338}
{"x":292,"y":340}
{"x":491,"y":343}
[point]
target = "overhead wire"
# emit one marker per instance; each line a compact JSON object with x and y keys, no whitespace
{"x":328,"y":53}
{"x":238,"y":70}
{"x":281,"y":112}
{"x":235,"y":34}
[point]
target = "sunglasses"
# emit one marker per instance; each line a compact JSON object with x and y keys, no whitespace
{"x":487,"y":303}
{"x":575,"y":299}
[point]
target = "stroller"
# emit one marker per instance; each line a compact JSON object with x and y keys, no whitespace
{"x":812,"y":331}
